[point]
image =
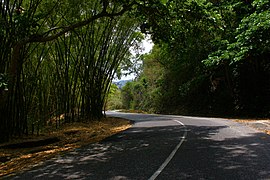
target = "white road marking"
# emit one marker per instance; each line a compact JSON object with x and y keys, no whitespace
{"x":169,"y":158}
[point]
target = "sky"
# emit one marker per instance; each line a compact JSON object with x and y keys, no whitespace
{"x":147,"y":45}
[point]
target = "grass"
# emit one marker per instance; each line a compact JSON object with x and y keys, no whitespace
{"x":27,"y":152}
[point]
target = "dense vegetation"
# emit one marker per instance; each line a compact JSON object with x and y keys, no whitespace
{"x":58,"y":58}
{"x":209,"y":58}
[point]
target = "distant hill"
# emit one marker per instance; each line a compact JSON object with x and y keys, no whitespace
{"x":121,"y":83}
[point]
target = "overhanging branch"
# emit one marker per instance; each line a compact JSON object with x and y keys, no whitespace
{"x":104,"y":13}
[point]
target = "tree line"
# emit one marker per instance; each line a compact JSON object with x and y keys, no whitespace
{"x":211,"y":57}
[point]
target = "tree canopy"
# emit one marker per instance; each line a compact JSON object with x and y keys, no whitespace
{"x":213,"y":59}
{"x":58,"y":59}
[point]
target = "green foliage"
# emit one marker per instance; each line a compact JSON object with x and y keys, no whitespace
{"x":59,"y":59}
{"x":3,"y":81}
{"x":251,"y":37}
{"x":127,"y":95}
{"x":114,"y":100}
{"x":144,"y":93}
{"x":214,"y":56}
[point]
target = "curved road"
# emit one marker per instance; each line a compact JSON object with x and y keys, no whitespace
{"x":166,"y":147}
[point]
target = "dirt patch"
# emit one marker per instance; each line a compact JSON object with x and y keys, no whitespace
{"x":27,"y":152}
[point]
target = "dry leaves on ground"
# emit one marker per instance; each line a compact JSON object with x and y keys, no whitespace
{"x":15,"y":159}
{"x":252,"y":123}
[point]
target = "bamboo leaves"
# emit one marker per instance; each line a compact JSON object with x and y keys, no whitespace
{"x":59,"y":58}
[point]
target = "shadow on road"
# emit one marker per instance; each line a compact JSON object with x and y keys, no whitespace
{"x":138,"y":152}
{"x":208,"y":155}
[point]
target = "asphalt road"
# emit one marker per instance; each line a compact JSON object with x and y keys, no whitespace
{"x":166,"y":147}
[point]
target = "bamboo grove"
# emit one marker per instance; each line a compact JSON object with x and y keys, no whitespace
{"x":57,"y":60}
